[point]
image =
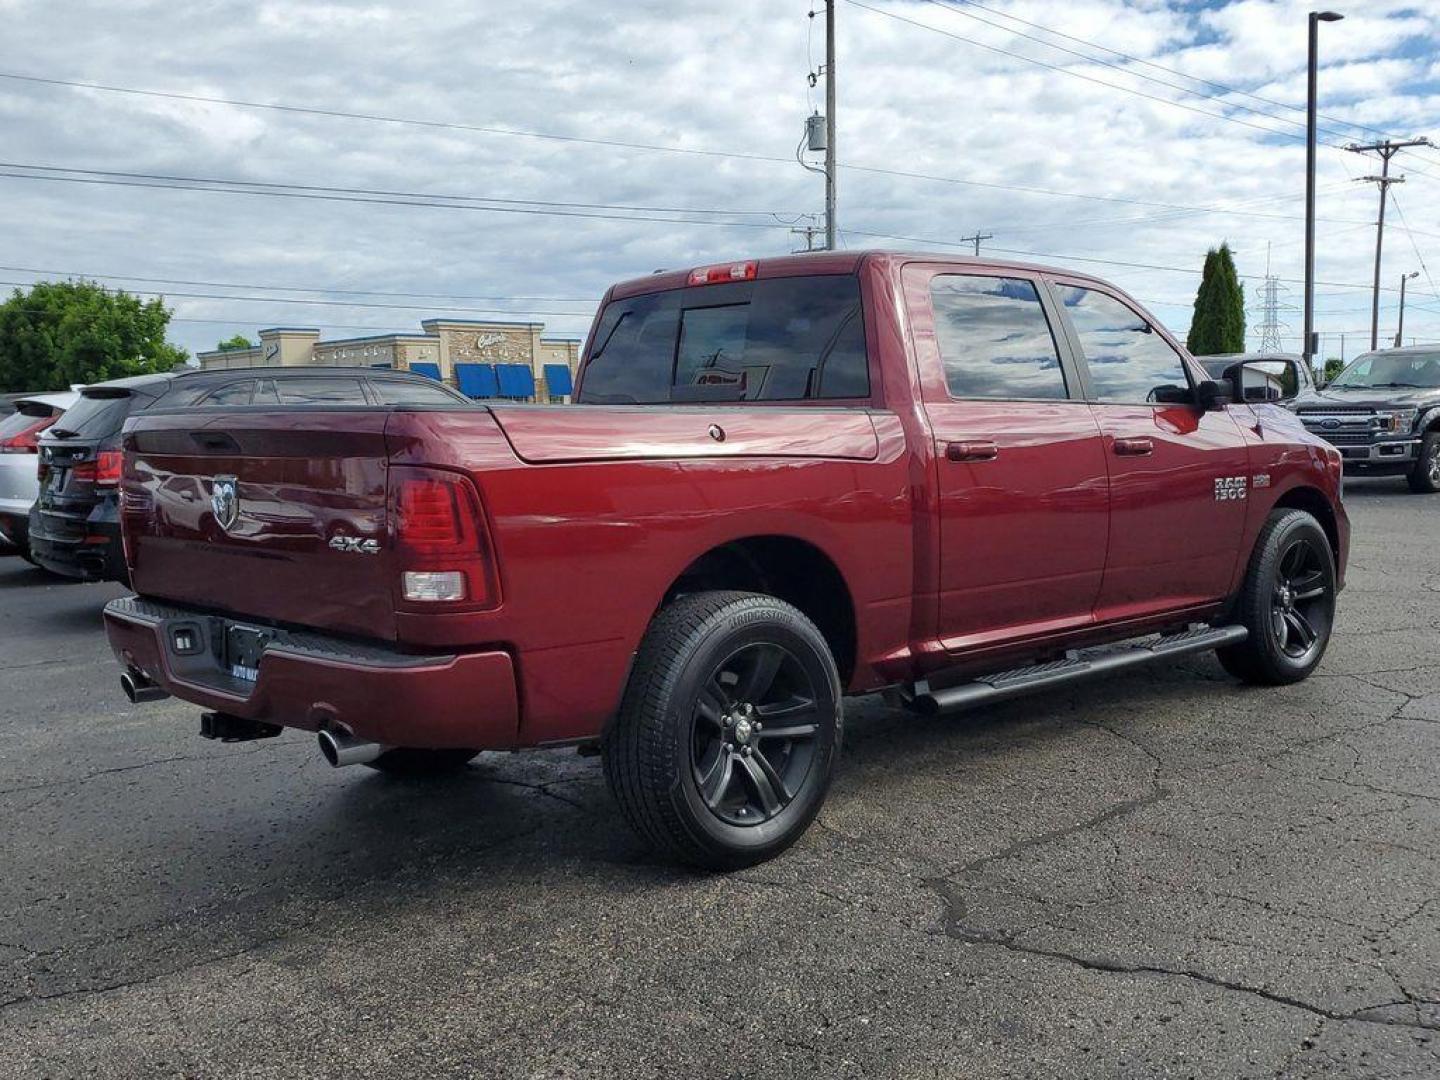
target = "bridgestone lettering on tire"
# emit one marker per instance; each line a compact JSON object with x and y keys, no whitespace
{"x":1287,"y":602}
{"x":729,"y":731}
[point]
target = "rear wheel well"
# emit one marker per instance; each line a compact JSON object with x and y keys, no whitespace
{"x":789,"y":569}
{"x":1314,"y":502}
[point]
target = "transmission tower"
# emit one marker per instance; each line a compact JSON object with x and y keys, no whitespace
{"x":1273,"y":328}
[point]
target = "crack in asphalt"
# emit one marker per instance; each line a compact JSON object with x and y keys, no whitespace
{"x":46,"y":785}
{"x":954,"y":928}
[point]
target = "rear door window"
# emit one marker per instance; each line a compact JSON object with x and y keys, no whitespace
{"x":994,"y":338}
{"x":327,"y":391}
{"x":777,"y":339}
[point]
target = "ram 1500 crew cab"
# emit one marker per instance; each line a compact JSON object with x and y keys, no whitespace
{"x":786,"y":481}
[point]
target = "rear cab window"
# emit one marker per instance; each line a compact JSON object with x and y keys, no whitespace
{"x":772,"y":339}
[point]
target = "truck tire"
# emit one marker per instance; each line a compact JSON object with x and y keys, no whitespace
{"x":413,"y":761}
{"x":729,"y":730}
{"x":1425,"y":476}
{"x":1287,"y":602}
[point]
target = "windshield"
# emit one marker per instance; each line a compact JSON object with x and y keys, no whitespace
{"x":777,"y":339}
{"x":1391,"y":370}
{"x":93,"y":418}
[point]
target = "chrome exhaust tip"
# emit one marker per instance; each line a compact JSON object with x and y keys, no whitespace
{"x":139,"y":689}
{"x":341,"y":748}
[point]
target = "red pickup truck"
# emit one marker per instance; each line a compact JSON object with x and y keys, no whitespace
{"x":786,"y":481}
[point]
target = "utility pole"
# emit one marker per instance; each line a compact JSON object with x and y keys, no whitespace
{"x":1387,"y":149}
{"x":1316,"y":18}
{"x":829,"y":125}
{"x":976,"y":240}
{"x":809,"y":232}
{"x":1400,"y":330}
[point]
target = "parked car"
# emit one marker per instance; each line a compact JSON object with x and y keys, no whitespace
{"x":1269,"y":376}
{"x":787,"y":481}
{"x":19,"y":455}
{"x":1383,"y":413}
{"x":75,"y":522}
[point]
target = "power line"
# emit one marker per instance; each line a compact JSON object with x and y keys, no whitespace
{"x":237,"y":187}
{"x":296,"y":288}
{"x":624,"y":212}
{"x":649,"y":147}
{"x":1394,"y":201}
{"x":1081,"y":75}
{"x":953,"y":5}
{"x":273,"y":300}
{"x":383,"y":119}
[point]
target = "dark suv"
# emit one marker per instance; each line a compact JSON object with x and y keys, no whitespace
{"x":1383,"y":413}
{"x":75,"y":523}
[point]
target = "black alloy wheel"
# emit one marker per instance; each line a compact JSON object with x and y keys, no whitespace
{"x":1301,"y":606}
{"x":753,"y":736}
{"x":729,"y":732}
{"x":1286,"y":602}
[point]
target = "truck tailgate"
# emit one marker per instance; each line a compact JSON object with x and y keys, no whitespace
{"x":265,"y":514}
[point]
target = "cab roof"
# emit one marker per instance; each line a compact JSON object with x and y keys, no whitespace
{"x":833,"y":262}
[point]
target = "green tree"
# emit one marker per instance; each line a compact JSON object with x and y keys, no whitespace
{"x":239,"y":341}
{"x":1333,"y":366}
{"x":1218,"y":325}
{"x":60,"y":333}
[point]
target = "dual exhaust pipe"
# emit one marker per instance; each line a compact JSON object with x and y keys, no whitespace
{"x":139,"y":689}
{"x":339,"y":747}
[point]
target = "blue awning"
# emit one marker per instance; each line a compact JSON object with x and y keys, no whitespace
{"x":516,"y":380}
{"x":477,"y":380}
{"x":557,"y":379}
{"x":429,"y":370}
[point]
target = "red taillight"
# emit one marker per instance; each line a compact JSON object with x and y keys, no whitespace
{"x":714,"y":275}
{"x":27,"y":440}
{"x":104,"y":471}
{"x":108,"y":466}
{"x":441,"y":540}
{"x":428,"y":515}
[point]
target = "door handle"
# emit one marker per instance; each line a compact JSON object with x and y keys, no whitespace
{"x":971,"y":451}
{"x":1134,"y":447}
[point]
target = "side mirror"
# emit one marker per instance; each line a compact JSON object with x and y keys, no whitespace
{"x":1170,"y":394}
{"x":1211,"y":395}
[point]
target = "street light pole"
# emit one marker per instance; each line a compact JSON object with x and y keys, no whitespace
{"x":1316,"y":18}
{"x":1400,"y":330}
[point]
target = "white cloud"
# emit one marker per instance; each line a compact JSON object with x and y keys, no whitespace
{"x":711,"y":77}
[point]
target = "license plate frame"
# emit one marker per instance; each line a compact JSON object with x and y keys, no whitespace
{"x":244,"y":645}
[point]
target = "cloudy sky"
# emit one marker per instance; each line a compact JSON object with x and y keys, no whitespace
{"x":521,"y":156}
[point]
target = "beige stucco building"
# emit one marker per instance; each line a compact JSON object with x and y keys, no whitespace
{"x":444,"y":342}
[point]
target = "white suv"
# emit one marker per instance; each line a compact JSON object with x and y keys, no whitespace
{"x":19,"y":456}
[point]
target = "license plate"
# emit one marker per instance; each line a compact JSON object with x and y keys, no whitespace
{"x":57,"y":479}
{"x":243,"y":648}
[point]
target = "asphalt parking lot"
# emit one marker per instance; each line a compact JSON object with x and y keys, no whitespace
{"x":1160,"y":875}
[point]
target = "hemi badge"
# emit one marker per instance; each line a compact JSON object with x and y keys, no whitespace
{"x":1261,"y":480}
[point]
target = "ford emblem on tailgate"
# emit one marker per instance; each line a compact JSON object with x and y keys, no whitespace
{"x":225,"y":501}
